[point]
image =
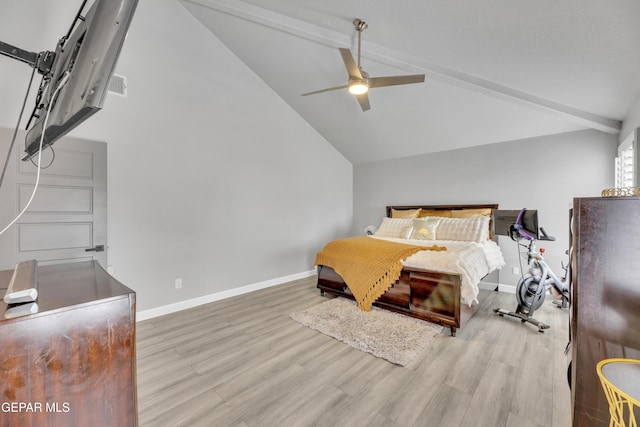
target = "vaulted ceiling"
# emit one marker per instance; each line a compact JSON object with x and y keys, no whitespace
{"x":496,"y":70}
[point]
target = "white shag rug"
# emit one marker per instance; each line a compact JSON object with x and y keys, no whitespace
{"x":385,"y":334}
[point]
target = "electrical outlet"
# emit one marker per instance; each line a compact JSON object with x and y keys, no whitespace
{"x":515,"y":271}
{"x":178,"y":283}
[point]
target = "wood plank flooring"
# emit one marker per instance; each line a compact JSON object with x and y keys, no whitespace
{"x":243,"y":362}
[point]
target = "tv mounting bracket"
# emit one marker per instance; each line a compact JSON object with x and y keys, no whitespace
{"x":42,"y":61}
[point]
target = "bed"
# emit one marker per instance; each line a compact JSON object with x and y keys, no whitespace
{"x":445,"y":251}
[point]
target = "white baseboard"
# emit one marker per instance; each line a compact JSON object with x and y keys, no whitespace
{"x":501,"y":288}
{"x":205,"y":299}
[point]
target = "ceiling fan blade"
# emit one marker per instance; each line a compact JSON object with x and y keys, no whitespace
{"x":395,"y":80}
{"x":363,"y":100}
{"x":325,"y":90}
{"x":350,"y":63}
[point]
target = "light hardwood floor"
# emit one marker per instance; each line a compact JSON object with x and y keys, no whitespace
{"x":243,"y":362}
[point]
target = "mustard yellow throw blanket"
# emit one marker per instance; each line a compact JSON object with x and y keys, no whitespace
{"x":368,"y":266}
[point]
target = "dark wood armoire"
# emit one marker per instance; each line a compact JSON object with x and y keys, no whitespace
{"x":72,"y":362}
{"x":605,"y":297}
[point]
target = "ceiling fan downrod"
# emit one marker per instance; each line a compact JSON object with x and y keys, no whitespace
{"x":360,"y":27}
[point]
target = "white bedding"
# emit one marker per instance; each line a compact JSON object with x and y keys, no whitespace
{"x":471,"y":260}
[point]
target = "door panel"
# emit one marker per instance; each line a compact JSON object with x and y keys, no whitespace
{"x":72,"y":163}
{"x":52,"y":236}
{"x":68,"y":213}
{"x":56,"y":199}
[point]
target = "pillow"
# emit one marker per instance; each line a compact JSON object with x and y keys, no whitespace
{"x":405,"y":213}
{"x":395,"y":227}
{"x":465,"y":229}
{"x":470,"y":213}
{"x":425,"y":228}
{"x":434,"y":212}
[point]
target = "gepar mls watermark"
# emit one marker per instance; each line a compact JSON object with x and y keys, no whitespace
{"x":26,"y":407}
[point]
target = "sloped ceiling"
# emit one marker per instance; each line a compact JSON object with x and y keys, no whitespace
{"x":495,"y":70}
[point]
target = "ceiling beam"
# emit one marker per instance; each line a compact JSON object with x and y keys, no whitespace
{"x":328,"y":37}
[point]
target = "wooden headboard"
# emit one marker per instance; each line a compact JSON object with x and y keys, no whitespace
{"x":492,"y":206}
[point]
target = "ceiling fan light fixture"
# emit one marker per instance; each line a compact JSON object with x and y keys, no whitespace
{"x":359,"y":81}
{"x":358,"y":87}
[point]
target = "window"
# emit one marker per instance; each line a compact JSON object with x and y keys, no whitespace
{"x":624,"y":168}
{"x":625,"y":162}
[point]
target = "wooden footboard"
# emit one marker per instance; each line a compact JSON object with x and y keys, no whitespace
{"x":423,"y":294}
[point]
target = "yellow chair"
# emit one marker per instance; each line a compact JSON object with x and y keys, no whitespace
{"x":620,"y":380}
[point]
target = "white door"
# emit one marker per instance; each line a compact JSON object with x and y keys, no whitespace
{"x":67,"y":219}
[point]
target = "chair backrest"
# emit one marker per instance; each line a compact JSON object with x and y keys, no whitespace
{"x":622,"y":406}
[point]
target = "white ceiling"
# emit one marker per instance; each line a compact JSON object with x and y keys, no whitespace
{"x":495,"y":70}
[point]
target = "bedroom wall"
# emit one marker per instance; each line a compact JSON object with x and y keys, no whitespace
{"x":212,"y":178}
{"x":564,"y":166}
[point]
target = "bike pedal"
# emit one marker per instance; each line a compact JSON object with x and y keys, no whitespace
{"x":558,"y":303}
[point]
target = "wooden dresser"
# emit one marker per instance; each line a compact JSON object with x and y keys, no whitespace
{"x":605,"y":297}
{"x":73,"y":362}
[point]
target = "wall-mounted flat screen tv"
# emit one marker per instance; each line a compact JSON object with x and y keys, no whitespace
{"x":503,"y":221}
{"x":85,"y":61}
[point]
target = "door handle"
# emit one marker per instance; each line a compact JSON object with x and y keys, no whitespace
{"x":96,"y":248}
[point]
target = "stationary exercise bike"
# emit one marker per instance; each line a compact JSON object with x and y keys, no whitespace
{"x":533,"y":286}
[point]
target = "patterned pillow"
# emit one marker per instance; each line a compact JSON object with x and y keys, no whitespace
{"x":395,"y":227}
{"x":405,"y":213}
{"x":470,"y":213}
{"x":425,"y":228}
{"x":434,"y":212}
{"x":465,"y":229}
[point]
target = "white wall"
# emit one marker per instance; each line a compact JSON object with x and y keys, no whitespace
{"x":212,"y":178}
{"x":543,"y":173}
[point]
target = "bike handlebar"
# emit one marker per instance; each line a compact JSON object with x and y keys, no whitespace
{"x":518,"y":231}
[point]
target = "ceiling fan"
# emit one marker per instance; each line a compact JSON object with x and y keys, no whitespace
{"x":359,"y":81}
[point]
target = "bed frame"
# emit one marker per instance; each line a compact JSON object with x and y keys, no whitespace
{"x":428,"y":295}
